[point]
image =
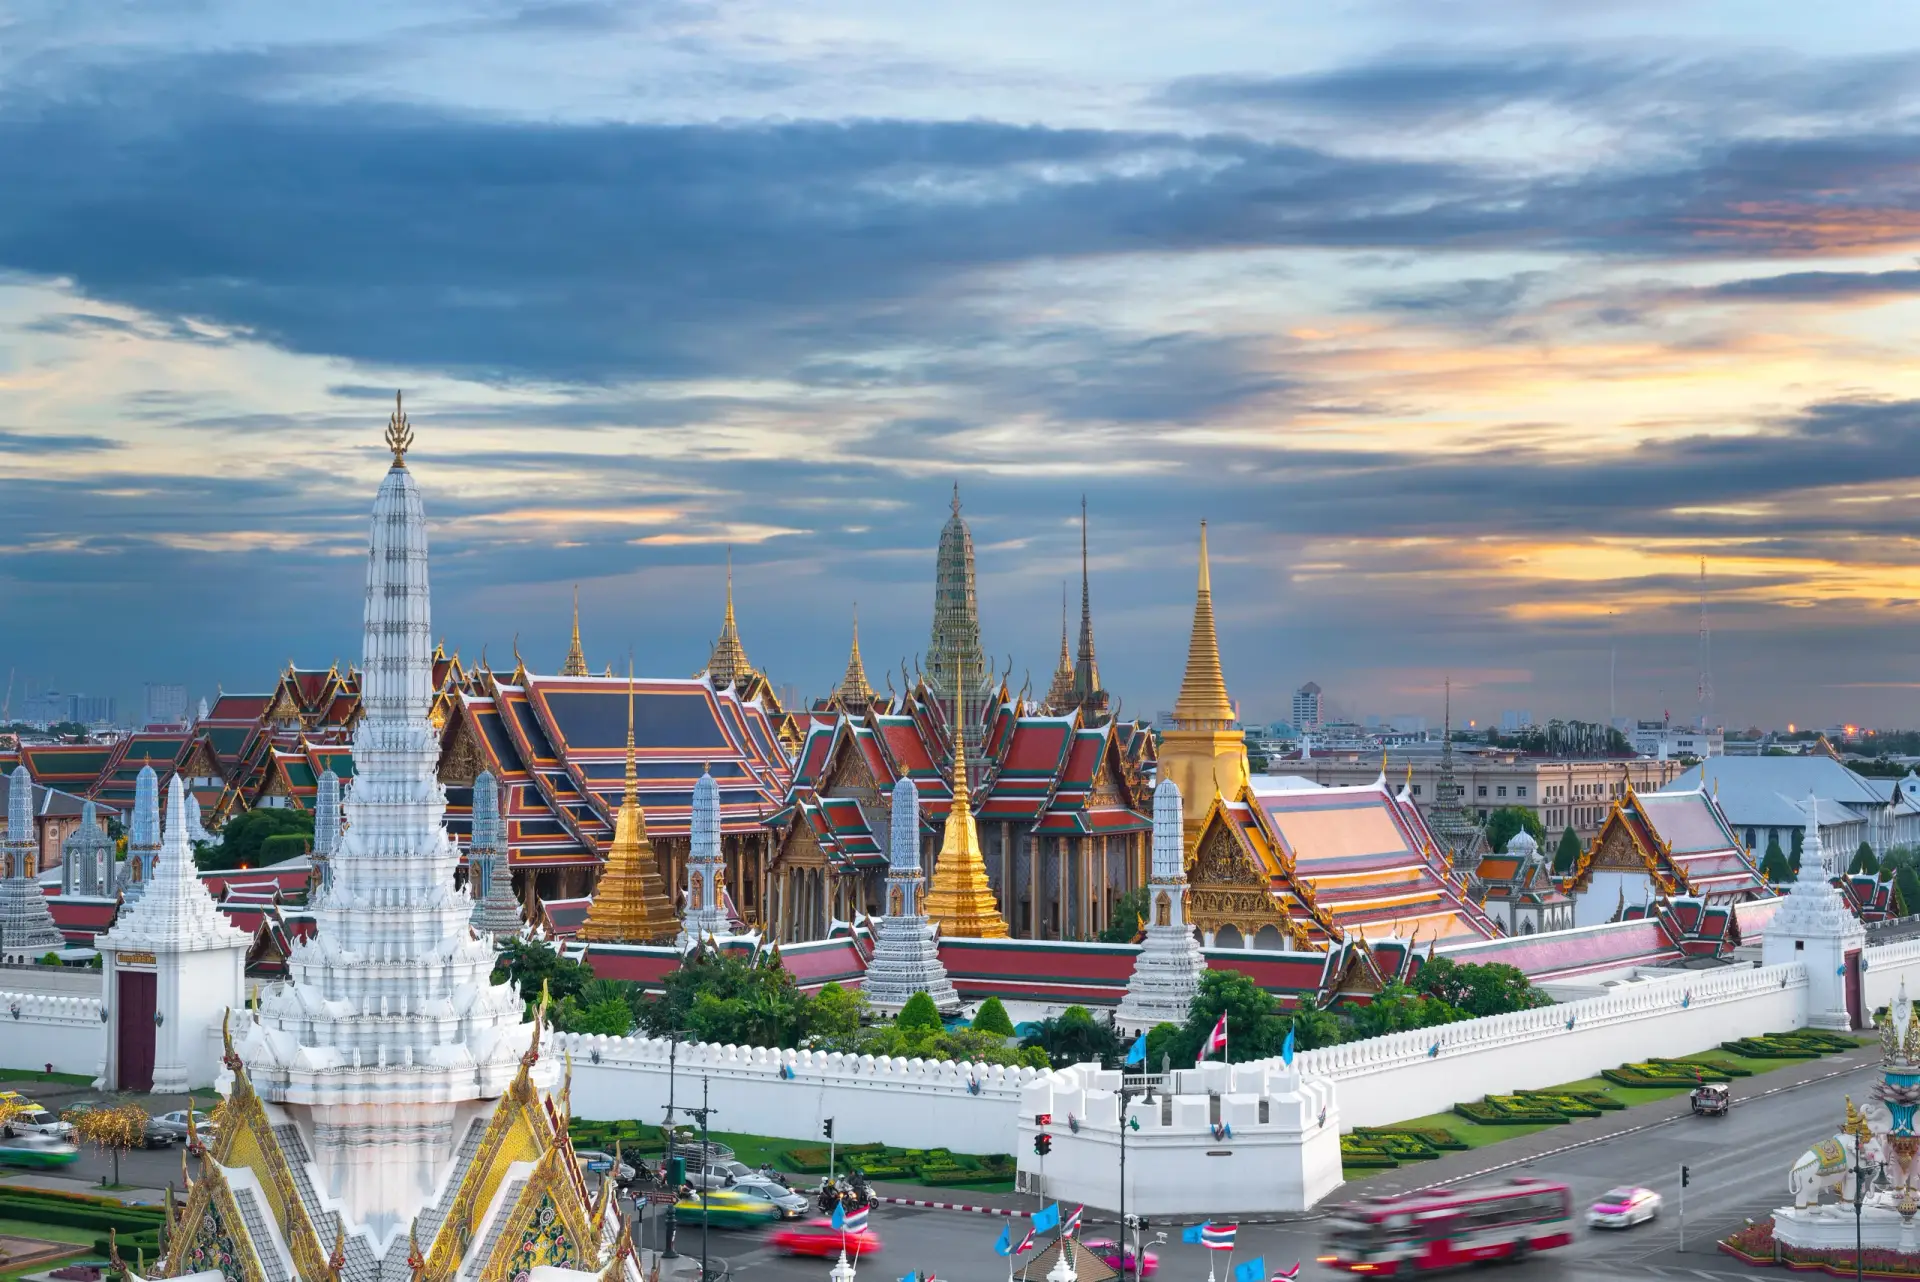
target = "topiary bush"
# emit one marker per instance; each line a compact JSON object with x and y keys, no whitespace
{"x":992,"y":1017}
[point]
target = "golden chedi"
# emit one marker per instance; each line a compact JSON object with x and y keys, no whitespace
{"x":630,"y":905}
{"x":1205,"y":753}
{"x":961,"y":900}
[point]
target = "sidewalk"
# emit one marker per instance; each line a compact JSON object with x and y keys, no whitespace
{"x":1455,"y":1167}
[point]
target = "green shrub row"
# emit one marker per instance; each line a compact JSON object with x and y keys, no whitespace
{"x":1805,"y":1044}
{"x":1503,"y":1111}
{"x":77,"y":1213}
{"x":131,"y":1244}
{"x":1433,"y":1137}
{"x":1674,"y":1072}
{"x":960,"y":1175}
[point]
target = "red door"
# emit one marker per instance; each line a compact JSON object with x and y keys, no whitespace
{"x":139,"y":994}
{"x":1853,"y":988}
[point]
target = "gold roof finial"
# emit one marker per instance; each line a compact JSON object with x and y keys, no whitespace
{"x":961,"y":899}
{"x":630,"y":900}
{"x":1203,"y":703}
{"x":576,"y":662}
{"x":633,"y":775}
{"x":399,"y":433}
{"x":728,"y":665}
{"x":856,"y":692}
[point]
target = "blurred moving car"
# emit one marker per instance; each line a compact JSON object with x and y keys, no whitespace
{"x":1624,"y":1207}
{"x":34,"y":1120}
{"x":174,"y":1124}
{"x":820,"y":1238}
{"x":37,"y":1151}
{"x":726,"y":1209}
{"x":789,"y":1204}
{"x":1121,"y":1261}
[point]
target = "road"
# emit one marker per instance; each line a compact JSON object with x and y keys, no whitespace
{"x":1738,"y":1165}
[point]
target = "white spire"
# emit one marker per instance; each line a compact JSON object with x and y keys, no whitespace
{"x":146,"y":810}
{"x":388,"y":1021}
{"x":1813,"y":857}
{"x":703,"y":913}
{"x":20,"y":816}
{"x":903,"y":846}
{"x":1167,"y":972}
{"x":26,"y":926}
{"x":176,"y":914}
{"x":1169,"y":814}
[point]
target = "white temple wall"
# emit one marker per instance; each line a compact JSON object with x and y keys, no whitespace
{"x":1883,"y":969}
{"x":907,"y":1103}
{"x":38,"y":1030}
{"x":1407,"y":1075}
{"x":1607,"y":889}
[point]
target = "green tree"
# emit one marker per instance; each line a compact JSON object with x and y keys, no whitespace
{"x":1864,"y":860}
{"x":1503,"y":823}
{"x":1477,"y":990}
{"x":1395,"y":1009}
{"x":1906,"y":884}
{"x":992,"y":1018}
{"x":1160,"y":1042}
{"x":530,"y":964}
{"x":721,"y":995}
{"x":834,"y":1015}
{"x":1129,"y":911}
{"x":1567,"y":853}
{"x":1799,"y":841}
{"x":919,"y":1013}
{"x":242,"y":840}
{"x":1313,"y":1029}
{"x":607,"y":1014}
{"x":1773,"y":865}
{"x":1253,"y":1031}
{"x":1074,"y":1036}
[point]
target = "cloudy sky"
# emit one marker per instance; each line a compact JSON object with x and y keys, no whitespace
{"x":1471,"y":325}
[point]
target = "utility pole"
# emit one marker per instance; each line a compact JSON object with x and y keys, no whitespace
{"x":666,"y":1163}
{"x":706,"y":1223}
{"x":1685,"y":1175}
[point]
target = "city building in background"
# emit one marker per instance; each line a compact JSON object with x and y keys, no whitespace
{"x":166,"y":704}
{"x":1306,"y":707}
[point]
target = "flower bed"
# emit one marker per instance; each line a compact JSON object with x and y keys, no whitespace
{"x":1804,"y":1044}
{"x":1434,"y":1137}
{"x":1675,"y":1073}
{"x":1509,"y":1110}
{"x":1755,"y":1245}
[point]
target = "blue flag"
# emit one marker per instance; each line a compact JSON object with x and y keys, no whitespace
{"x":839,"y":1217}
{"x":1137,"y":1053}
{"x":1005,"y":1245}
{"x":1254,"y":1270}
{"x":1192,"y":1236}
{"x":1049,"y":1218}
{"x":1286,"y":1051}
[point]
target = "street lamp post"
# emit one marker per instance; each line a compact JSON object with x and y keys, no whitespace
{"x":666,"y":1163}
{"x":1860,"y":1173}
{"x":706,"y":1223}
{"x":1127,"y":1096}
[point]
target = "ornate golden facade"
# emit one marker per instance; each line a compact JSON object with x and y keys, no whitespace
{"x":961,"y":898}
{"x":1204,"y":753}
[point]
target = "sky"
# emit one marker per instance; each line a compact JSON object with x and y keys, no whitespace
{"x":1470,"y":326}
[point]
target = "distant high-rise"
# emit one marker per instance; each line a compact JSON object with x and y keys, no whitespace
{"x":166,"y":704}
{"x":1306,"y":707}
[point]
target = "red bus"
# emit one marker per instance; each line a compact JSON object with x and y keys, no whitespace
{"x":1445,"y":1228}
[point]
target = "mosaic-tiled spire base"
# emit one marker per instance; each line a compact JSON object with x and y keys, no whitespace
{"x":904,"y":963}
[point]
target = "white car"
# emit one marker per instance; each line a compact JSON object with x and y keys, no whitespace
{"x":37,"y":1121}
{"x":718,"y":1175}
{"x":1624,"y":1207}
{"x":791,"y":1204}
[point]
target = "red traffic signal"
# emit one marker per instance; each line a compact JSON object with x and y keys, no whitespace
{"x":1043,"y":1144}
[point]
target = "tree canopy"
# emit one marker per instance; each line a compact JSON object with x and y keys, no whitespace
{"x":1476,"y":990}
{"x":260,"y":837}
{"x":1073,"y":1036}
{"x":1505,"y":822}
{"x":1567,"y":853}
{"x":992,"y":1018}
{"x":1864,"y":860}
{"x":1129,"y":911}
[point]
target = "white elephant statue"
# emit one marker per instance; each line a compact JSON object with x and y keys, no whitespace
{"x":1828,"y":1165}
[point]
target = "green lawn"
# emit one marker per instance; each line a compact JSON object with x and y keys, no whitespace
{"x":48,"y":1232}
{"x":1475,"y":1135}
{"x":17,"y":1075}
{"x":757,"y":1150}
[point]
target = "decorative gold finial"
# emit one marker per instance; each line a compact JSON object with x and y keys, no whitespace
{"x":575,"y":664}
{"x":956,"y":498}
{"x":1856,"y":1124}
{"x":399,"y":433}
{"x":1203,"y":703}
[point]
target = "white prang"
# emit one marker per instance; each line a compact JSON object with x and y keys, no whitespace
{"x":1814,"y":926}
{"x":703,"y":916}
{"x":905,"y":959}
{"x":388,"y":1027}
{"x":27,"y":931}
{"x":198,"y":958}
{"x":496,"y":913}
{"x":143,"y":837}
{"x":1166,"y":974}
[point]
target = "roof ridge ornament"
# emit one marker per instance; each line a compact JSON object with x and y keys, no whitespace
{"x":399,"y":433}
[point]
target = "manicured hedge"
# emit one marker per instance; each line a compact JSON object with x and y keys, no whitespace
{"x":35,"y":1206}
{"x":1506,"y":1111}
{"x":1433,"y":1137}
{"x":960,"y":1175}
{"x":1804,"y":1044}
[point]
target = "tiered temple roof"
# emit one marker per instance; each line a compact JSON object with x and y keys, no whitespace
{"x":1331,"y":863}
{"x":1663,"y":845}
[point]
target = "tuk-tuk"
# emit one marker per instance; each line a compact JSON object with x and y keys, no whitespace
{"x":1711,"y":1099}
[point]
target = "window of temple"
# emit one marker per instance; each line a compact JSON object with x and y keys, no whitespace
{"x":1268,"y":937}
{"x":1229,"y":937}
{"x":1163,"y":910}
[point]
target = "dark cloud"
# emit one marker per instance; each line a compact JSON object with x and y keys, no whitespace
{"x":1819,"y":287}
{"x":12,"y":442}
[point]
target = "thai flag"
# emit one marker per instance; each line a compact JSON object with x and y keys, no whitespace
{"x":1026,"y":1244}
{"x":1072,"y":1225}
{"x":1218,"y":1237}
{"x":854,"y":1221}
{"x":1288,"y":1275}
{"x":1216,"y":1040}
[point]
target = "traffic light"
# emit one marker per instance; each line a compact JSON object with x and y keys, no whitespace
{"x":1043,"y":1144}
{"x":826,"y":1129}
{"x":1686,"y":1177}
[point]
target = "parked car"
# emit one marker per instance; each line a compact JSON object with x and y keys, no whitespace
{"x":789,"y":1204}
{"x":158,"y":1136}
{"x":175,"y":1124}
{"x":718,"y":1175}
{"x":1624,"y":1207}
{"x":1120,"y":1260}
{"x":37,"y":1152}
{"x":820,"y":1238}
{"x":726,"y":1209}
{"x":600,"y":1162}
{"x":36,"y":1121}
{"x":1711,"y":1100}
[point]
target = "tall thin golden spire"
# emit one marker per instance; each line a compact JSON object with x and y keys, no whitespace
{"x":1060,"y":693}
{"x":728,"y":663}
{"x":1203,"y":703}
{"x":576,"y":663}
{"x":855,"y":692}
{"x":400,"y":438}
{"x":630,"y":905}
{"x":960,"y":899}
